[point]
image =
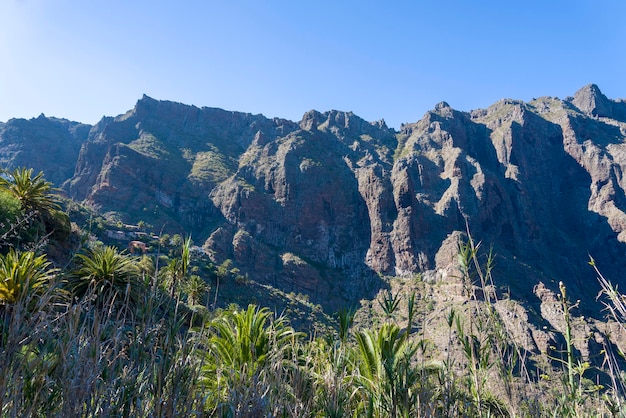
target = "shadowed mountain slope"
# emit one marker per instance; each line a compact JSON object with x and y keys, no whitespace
{"x":327,"y":205}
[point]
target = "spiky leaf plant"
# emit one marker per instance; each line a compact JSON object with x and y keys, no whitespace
{"x":21,"y":275}
{"x":107,"y":273}
{"x":33,"y":192}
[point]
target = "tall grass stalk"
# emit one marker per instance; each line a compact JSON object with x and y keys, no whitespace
{"x":615,"y":305}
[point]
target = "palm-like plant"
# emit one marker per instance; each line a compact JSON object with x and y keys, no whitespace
{"x":194,"y":287}
{"x":176,"y":270}
{"x":145,"y":264}
{"x":387,"y":373}
{"x":221,"y":272}
{"x":242,"y":345}
{"x":242,"y":337}
{"x":346,"y":319}
{"x":390,"y":304}
{"x":171,"y":275}
{"x":22,"y":275}
{"x":33,"y":192}
{"x":106,"y":272}
{"x":185,"y":256}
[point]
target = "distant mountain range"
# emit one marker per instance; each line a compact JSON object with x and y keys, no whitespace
{"x":327,"y":205}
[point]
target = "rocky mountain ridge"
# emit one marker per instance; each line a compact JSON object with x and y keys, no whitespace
{"x":328,"y":205}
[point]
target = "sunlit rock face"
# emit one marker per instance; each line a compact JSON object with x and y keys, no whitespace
{"x":327,"y":205}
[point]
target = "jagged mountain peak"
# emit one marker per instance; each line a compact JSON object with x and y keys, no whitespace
{"x":311,"y":119}
{"x":339,"y":191}
{"x":342,"y":123}
{"x":591,"y":101}
{"x":43,"y":143}
{"x":332,"y":118}
{"x":442,"y":106}
{"x":150,"y":107}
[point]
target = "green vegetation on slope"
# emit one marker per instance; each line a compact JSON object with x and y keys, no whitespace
{"x":119,"y":334}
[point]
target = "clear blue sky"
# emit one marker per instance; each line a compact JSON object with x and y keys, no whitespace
{"x":395,"y":60}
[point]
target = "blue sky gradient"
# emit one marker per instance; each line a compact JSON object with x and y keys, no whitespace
{"x":82,"y":60}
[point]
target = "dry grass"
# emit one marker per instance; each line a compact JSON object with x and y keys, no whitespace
{"x":157,"y":357}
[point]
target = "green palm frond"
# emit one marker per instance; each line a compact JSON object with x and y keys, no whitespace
{"x":106,"y":271}
{"x":244,"y":346}
{"x":21,"y":275}
{"x":33,"y":192}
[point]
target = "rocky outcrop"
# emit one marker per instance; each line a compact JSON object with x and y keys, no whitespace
{"x":45,"y":144}
{"x":520,"y":177}
{"x":306,"y":194}
{"x":592,"y":102}
{"x":159,"y":161}
{"x":327,"y":205}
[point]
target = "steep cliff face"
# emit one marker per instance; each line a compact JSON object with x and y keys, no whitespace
{"x":514,"y":174}
{"x":315,"y":194}
{"x":45,"y":144}
{"x":326,"y":205}
{"x":351,"y":197}
{"x":159,"y":161}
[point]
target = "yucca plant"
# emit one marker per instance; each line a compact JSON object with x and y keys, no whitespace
{"x":389,"y":304}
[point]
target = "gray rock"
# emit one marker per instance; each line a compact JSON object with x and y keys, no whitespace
{"x":327,"y":205}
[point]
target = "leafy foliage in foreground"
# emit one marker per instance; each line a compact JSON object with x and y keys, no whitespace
{"x":117,"y":335}
{"x":30,"y":213}
{"x":22,"y":275}
{"x":106,"y":273}
{"x":33,"y":192}
{"x":101,"y":354}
